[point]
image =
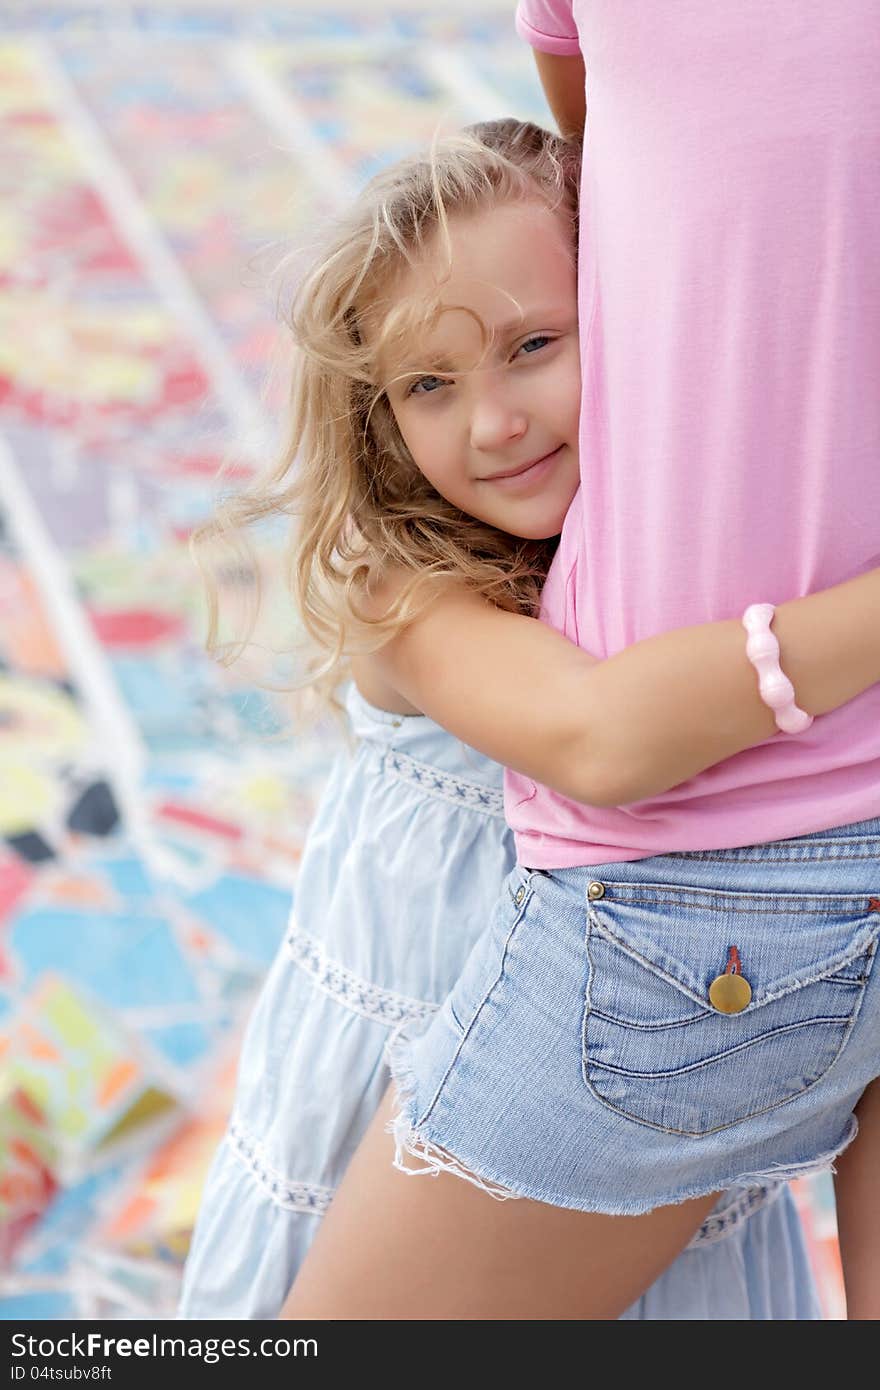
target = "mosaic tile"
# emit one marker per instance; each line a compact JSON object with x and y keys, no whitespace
{"x":168,"y":164}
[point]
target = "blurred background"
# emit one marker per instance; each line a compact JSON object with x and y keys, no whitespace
{"x":157,"y":163}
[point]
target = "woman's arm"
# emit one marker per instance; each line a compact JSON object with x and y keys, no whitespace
{"x":563,"y":79}
{"x":627,"y":728}
{"x":858,"y":1211}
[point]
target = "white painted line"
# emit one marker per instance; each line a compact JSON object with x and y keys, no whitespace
{"x":118,"y":192}
{"x":284,"y":117}
{"x":117,"y":737}
{"x":173,"y":1016}
{"x":475,"y":99}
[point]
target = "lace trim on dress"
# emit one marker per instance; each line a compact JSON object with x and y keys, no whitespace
{"x":743,"y":1204}
{"x":311,"y":1199}
{"x":489,"y":800}
{"x":356,"y":993}
{"x":306,"y":1197}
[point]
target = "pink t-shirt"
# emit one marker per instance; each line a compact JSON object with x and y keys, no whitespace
{"x":730,"y":331}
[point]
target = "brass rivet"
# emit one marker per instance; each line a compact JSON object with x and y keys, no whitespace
{"x":596,"y":890}
{"x":519,"y":895}
{"x":730,"y":994}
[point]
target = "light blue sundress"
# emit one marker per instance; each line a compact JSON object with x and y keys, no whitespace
{"x":401,"y":870}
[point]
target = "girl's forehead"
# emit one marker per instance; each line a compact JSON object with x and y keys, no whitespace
{"x":501,"y":246}
{"x":492,"y":271}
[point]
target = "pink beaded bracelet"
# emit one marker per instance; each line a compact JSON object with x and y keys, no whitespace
{"x":776,"y":689}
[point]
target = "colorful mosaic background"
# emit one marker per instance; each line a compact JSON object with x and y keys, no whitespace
{"x":155,"y":162}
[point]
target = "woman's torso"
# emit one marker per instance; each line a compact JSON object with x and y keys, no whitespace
{"x":730,"y":429}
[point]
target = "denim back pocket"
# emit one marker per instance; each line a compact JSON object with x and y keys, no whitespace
{"x":654,"y":1047}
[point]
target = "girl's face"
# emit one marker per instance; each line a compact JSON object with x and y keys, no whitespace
{"x":489,"y":407}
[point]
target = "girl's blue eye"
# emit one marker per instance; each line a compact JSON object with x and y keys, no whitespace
{"x":428,"y":384}
{"x":535,"y":344}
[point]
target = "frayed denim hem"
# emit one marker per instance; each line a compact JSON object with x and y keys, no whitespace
{"x":747,"y":1192}
{"x":407,"y":1139}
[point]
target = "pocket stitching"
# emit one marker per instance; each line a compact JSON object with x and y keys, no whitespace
{"x":700,"y":1134}
{"x":651,"y":1027}
{"x":595,"y":926}
{"x":728,"y":1052}
{"x":706,"y":1133}
{"x":787,"y":985}
{"x":714,"y":899}
{"x":466,"y":1029}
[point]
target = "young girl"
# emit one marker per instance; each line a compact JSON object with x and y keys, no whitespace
{"x":452,"y":505}
{"x":730,"y":328}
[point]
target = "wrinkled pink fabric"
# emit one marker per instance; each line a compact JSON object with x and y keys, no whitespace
{"x":730,"y":332}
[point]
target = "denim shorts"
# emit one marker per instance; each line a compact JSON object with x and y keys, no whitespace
{"x":579,"y":1059}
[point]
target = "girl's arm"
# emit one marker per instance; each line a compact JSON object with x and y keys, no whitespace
{"x":858,"y":1211}
{"x":627,"y":728}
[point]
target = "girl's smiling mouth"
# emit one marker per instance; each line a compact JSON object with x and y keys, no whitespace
{"x":527,"y":473}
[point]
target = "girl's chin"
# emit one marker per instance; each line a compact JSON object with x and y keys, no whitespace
{"x":535,"y":527}
{"x":527,"y":519}
{"x":536,"y":533}
{"x":543,"y":535}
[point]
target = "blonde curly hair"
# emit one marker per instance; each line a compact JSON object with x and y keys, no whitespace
{"x":344,"y":471}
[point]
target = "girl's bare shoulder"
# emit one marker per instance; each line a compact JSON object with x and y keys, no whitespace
{"x":369,"y":669}
{"x":375,"y":689}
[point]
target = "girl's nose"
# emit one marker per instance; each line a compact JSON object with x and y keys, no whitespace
{"x":496,"y":420}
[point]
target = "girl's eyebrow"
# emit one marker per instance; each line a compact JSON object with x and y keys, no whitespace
{"x":552,"y":316}
{"x":511,"y":327}
{"x":427,"y":366}
{"x":542,"y":315}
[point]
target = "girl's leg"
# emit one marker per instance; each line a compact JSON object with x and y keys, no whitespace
{"x":394,"y":1246}
{"x":858,"y":1215}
